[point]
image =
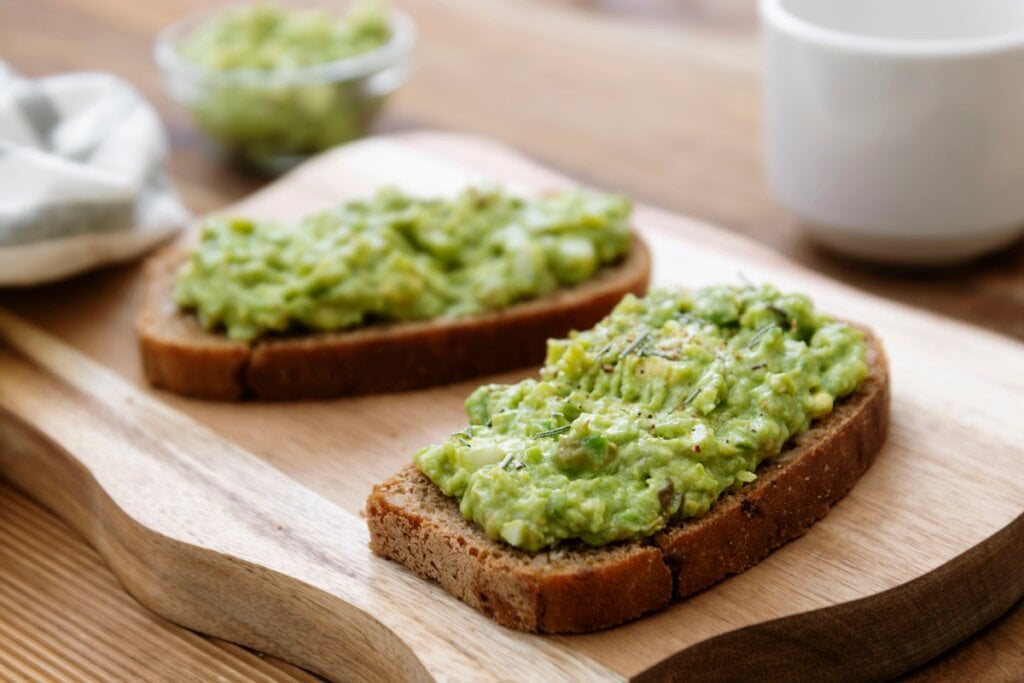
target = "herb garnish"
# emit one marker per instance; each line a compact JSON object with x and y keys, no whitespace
{"x":553,"y":432}
{"x":637,"y":343}
{"x":761,"y":331}
{"x":516,"y":463}
{"x":689,"y":317}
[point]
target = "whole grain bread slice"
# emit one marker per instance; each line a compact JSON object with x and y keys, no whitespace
{"x":181,"y":356}
{"x":579,"y":588}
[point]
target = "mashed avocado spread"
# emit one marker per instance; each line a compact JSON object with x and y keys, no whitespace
{"x":254,"y":99}
{"x":394,"y":257}
{"x":268,"y":37}
{"x":648,"y":417}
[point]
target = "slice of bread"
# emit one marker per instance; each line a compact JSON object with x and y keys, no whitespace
{"x":179,"y":355}
{"x":580,"y":588}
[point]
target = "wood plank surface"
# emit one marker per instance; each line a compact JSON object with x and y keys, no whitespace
{"x":863,"y":560}
{"x":64,"y":616}
{"x":660,"y":103}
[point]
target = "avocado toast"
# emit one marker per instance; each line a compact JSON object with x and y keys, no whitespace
{"x":383,"y":294}
{"x":769,"y":414}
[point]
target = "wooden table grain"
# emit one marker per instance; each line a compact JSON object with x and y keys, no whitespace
{"x":655,"y":98}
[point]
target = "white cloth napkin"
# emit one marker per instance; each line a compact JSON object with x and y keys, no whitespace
{"x":82,"y":176}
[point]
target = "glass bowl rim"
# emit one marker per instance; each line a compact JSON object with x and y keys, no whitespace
{"x":397,"y":50}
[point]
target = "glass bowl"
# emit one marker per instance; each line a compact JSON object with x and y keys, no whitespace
{"x":272,"y":120}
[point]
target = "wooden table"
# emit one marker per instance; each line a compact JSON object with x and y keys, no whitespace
{"x":654,"y":98}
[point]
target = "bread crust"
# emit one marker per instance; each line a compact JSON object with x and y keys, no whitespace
{"x":413,"y":522}
{"x":580,"y":588}
{"x":179,"y":355}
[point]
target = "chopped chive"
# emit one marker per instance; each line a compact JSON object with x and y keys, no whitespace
{"x":761,"y":331}
{"x":639,"y":341}
{"x":553,"y":432}
{"x":689,"y":317}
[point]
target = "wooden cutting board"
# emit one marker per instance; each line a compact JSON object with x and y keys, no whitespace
{"x":243,"y":520}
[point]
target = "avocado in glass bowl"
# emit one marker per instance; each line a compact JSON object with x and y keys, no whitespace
{"x":273,"y":83}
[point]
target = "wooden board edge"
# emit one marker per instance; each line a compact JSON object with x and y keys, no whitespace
{"x":928,"y":616}
{"x":191,"y":576}
{"x":161,"y":573}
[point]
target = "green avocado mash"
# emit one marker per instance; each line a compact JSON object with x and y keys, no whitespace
{"x":396,"y":257}
{"x":646,"y":418}
{"x":271,"y":111}
{"x":268,"y":37}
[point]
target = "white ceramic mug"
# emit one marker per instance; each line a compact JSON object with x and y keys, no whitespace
{"x":895,"y":128}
